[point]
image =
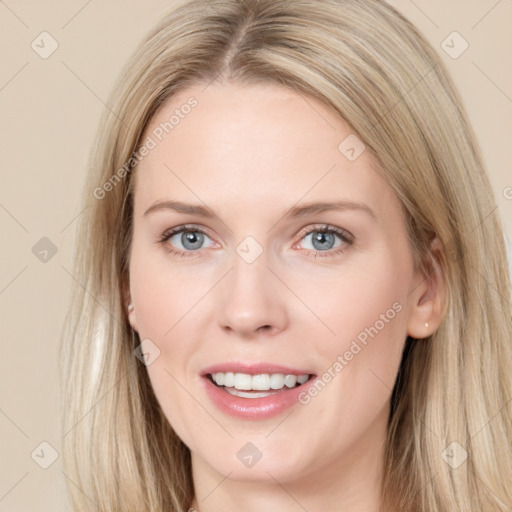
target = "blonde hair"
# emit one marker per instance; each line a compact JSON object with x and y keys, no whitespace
{"x":368,"y":63}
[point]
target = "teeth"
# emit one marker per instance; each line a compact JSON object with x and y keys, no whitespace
{"x":302,"y":378}
{"x":290,"y":380}
{"x":229,"y":379}
{"x":248,"y":394}
{"x":261,"y":382}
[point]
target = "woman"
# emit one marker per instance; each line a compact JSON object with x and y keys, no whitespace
{"x":293,"y":285}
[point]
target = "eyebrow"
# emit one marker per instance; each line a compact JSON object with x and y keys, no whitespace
{"x":293,"y":212}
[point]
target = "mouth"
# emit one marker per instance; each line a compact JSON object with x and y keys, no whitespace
{"x":261,"y":385}
{"x":255,"y":391}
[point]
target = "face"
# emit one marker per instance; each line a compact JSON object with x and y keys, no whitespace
{"x":263,"y":248}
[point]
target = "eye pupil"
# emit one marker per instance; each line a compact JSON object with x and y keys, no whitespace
{"x":192,"y":237}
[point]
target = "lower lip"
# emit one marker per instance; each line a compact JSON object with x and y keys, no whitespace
{"x":254,"y":408}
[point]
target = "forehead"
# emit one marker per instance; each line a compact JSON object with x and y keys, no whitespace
{"x":256,"y":145}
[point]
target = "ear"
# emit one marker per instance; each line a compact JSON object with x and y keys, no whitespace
{"x":427,"y":298}
{"x":128,"y":304}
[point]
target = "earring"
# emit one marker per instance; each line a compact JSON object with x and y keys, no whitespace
{"x":130,"y":307}
{"x":426,"y":325}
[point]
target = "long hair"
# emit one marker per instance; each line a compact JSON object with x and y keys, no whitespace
{"x":449,"y":438}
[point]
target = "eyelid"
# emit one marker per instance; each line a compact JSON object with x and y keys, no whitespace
{"x":345,"y":235}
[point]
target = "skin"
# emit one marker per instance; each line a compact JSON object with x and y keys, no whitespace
{"x":250,"y":152}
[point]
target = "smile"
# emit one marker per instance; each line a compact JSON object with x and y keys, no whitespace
{"x":256,"y":386}
{"x":254,"y":391}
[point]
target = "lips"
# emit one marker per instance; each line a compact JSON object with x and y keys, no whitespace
{"x":254,"y":391}
{"x":254,"y":369}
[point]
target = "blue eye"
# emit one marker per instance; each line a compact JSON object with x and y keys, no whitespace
{"x":322,"y":240}
{"x":186,"y":241}
{"x":190,"y":238}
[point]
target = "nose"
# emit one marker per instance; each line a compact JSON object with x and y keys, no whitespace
{"x":251,"y":300}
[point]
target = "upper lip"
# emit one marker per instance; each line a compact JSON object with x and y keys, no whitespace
{"x":253,"y":369}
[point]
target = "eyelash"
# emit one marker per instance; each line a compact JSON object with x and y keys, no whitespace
{"x":345,"y":236}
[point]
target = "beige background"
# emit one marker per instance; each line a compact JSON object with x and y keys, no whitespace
{"x":50,"y":111}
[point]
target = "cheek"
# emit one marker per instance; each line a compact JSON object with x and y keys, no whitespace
{"x":168,"y":300}
{"x":170,"y":389}
{"x":368,"y":295}
{"x":163,"y":292}
{"x":365,"y":310}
